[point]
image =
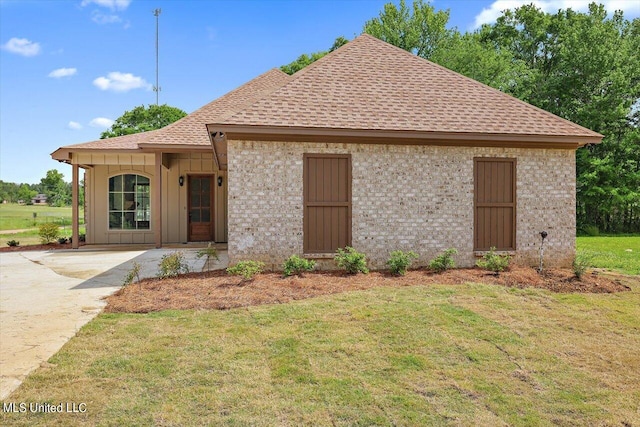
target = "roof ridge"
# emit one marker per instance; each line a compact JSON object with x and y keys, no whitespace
{"x":503,"y":94}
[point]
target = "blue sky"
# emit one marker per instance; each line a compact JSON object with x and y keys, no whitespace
{"x":69,"y":67}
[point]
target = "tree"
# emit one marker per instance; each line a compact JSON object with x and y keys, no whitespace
{"x":304,"y":59}
{"x":143,"y":119}
{"x":25,"y":193}
{"x":57,"y":191}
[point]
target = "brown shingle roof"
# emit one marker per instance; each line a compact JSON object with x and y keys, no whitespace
{"x":371,"y":85}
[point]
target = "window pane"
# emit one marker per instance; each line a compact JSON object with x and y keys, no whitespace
{"x":115,"y":183}
{"x":143,"y":180}
{"x":195,"y":200}
{"x":206,"y":200}
{"x":143,"y":225}
{"x":129,"y":202}
{"x":206,"y":215}
{"x":195,"y":215}
{"x":129,"y":182}
{"x":129,"y":221}
{"x":206,"y":184}
{"x":195,"y":185}
{"x":115,"y":220}
{"x":115,"y":201}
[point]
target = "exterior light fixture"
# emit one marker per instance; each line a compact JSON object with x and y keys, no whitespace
{"x":181,"y":180}
{"x":219,"y":181}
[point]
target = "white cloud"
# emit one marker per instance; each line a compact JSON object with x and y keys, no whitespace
{"x":101,"y":122}
{"x":121,"y":82}
{"x":111,"y":4}
{"x":74,"y":125}
{"x":24,"y":47}
{"x":63,"y":72}
{"x":100,"y":18}
{"x":490,"y":14}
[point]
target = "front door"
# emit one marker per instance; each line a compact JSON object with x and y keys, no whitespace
{"x":201,"y":208}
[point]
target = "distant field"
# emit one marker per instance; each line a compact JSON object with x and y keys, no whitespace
{"x":18,"y":217}
{"x":620,"y":253}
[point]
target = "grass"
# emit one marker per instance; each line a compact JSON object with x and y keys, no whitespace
{"x":621,"y":253}
{"x":18,"y":217}
{"x":422,"y":355}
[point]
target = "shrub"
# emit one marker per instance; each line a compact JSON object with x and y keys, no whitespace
{"x":581,"y":262}
{"x":62,"y":240}
{"x":591,"y":230}
{"x":494,"y":262}
{"x":352,"y":261}
{"x":210,"y":253}
{"x":297,"y":265}
{"x":48,"y":232}
{"x":172,"y":264}
{"x":400,"y":261}
{"x":444,"y":261}
{"x":82,"y":237}
{"x":246,"y":269}
{"x":133,"y":273}
{"x":13,"y":243}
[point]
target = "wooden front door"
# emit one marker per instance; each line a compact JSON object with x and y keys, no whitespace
{"x":201,"y":223}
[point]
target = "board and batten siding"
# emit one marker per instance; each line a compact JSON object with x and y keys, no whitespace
{"x":174,"y":197}
{"x":410,"y":197}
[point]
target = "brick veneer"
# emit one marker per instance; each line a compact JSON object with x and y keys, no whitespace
{"x":416,"y":198}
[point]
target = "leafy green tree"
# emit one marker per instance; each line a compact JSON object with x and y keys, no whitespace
{"x":304,"y":59}
{"x":143,"y":119}
{"x":25,"y":193}
{"x":57,"y":191}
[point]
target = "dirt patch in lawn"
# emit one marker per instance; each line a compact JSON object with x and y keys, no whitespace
{"x":47,"y":247}
{"x":217,"y":290}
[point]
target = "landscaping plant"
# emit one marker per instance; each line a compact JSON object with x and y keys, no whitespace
{"x":493,"y":262}
{"x":48,"y":232}
{"x":62,"y":240}
{"x":352,"y":261}
{"x":297,"y":265}
{"x":400,"y":261}
{"x":246,"y":269}
{"x":211,"y":254}
{"x":13,"y":243}
{"x":444,"y":261}
{"x":133,"y":273}
{"x":172,"y":264}
{"x":581,"y":262}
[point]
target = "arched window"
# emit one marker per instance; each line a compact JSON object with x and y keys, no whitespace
{"x":129,"y":204}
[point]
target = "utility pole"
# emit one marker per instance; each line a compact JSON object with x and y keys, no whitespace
{"x":156,"y":88}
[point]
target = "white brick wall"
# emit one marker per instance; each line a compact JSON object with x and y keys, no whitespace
{"x":416,"y":198}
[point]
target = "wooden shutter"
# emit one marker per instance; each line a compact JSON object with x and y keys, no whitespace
{"x":494,"y":203}
{"x":327,"y":202}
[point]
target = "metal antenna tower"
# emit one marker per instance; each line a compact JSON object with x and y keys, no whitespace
{"x":157,"y":88}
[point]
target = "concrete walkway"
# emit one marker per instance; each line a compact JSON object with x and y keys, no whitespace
{"x":46,"y":297}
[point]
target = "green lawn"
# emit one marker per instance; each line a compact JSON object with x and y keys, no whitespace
{"x":433,"y":355}
{"x":620,"y":253}
{"x":17,"y":217}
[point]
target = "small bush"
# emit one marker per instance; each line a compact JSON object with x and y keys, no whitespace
{"x":62,"y":240}
{"x":581,"y":262}
{"x":48,"y":232}
{"x":297,"y":265}
{"x":494,"y":262}
{"x":209,"y":252}
{"x":13,"y":243}
{"x":352,"y":261}
{"x":444,"y":261}
{"x":591,"y":230}
{"x":246,"y":269}
{"x":82,"y":237}
{"x":400,"y":261}
{"x":172,"y":264}
{"x":133,"y":273}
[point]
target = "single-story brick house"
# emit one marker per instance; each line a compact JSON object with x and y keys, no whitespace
{"x":370,"y":146}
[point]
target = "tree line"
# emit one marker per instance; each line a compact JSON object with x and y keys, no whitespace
{"x":53,"y":186}
{"x":584,"y":67}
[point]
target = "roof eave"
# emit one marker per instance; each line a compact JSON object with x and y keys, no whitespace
{"x":306,"y":134}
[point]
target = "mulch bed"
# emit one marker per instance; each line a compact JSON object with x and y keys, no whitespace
{"x":217,"y":290}
{"x":47,"y":247}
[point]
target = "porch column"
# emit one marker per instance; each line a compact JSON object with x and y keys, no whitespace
{"x":75,"y":223}
{"x":157,"y":201}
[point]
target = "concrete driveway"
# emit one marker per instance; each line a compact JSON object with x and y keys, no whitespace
{"x":46,"y":297}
